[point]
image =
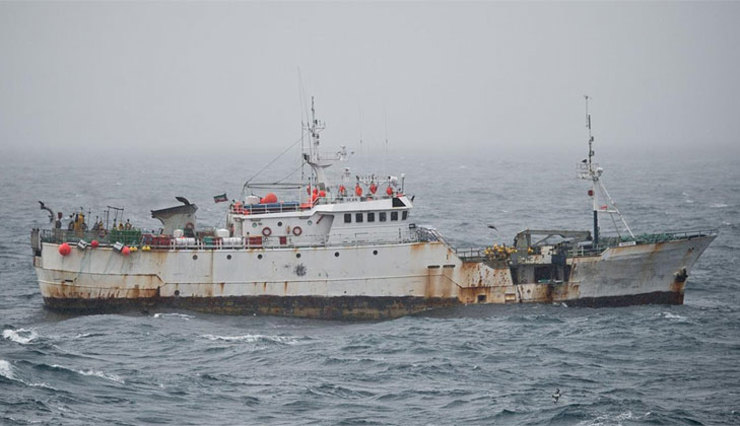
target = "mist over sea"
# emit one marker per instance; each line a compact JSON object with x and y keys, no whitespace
{"x":471,"y":365}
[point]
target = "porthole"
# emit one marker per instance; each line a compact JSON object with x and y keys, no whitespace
{"x":375,"y":252}
{"x":254,"y":224}
{"x":228,"y":257}
{"x":177,"y":292}
{"x":259,"y":256}
{"x":336,"y":254}
{"x":195,"y":257}
{"x":280,"y":223}
{"x":310,"y":222}
{"x":298,"y":255}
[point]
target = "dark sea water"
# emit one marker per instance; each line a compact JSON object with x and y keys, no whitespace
{"x":474,"y":365}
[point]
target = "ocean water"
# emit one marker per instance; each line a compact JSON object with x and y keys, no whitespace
{"x":470,"y":365}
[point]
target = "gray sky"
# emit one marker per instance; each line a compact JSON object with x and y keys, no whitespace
{"x":502,"y":78}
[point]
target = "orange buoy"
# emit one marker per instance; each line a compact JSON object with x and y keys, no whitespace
{"x":358,"y":190}
{"x":269,"y":198}
{"x":94,"y":243}
{"x":64,"y":249}
{"x":125,"y":251}
{"x":322,"y":193}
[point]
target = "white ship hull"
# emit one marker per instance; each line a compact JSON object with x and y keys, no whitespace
{"x":355,"y":282}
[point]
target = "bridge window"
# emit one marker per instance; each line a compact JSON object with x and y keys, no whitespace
{"x":348,"y":218}
{"x":381,"y":217}
{"x":405,"y":215}
{"x":358,"y":217}
{"x":394,"y":215}
{"x":371,"y":217}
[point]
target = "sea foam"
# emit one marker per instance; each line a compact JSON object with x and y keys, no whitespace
{"x":253,"y":338}
{"x":21,"y":335}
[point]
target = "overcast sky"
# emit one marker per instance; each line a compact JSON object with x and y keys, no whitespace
{"x":484,"y":77}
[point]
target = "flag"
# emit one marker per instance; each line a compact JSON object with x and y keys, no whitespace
{"x":220,"y":198}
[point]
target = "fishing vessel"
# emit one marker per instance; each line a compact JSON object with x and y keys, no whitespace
{"x":349,"y":250}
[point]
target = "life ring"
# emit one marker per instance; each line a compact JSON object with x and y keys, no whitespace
{"x":266,"y":231}
{"x":297,"y":231}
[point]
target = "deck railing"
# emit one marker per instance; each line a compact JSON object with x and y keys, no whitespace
{"x":136,"y":238}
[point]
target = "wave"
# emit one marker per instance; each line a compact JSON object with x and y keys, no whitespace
{"x":718,"y":205}
{"x":614,"y":419}
{"x":186,"y":317}
{"x":6,"y":370}
{"x":21,"y":335}
{"x":253,"y":338}
{"x":93,"y":373}
{"x":671,"y":316}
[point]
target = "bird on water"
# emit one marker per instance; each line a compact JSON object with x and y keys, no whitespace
{"x":556,"y":396}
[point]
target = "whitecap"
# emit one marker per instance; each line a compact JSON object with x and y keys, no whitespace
{"x":608,"y":419}
{"x":718,"y":205}
{"x":82,"y":335}
{"x":102,"y":375}
{"x":21,"y":335}
{"x":253,"y":338}
{"x":6,"y":370}
{"x":669,"y":315}
{"x":174,"y":315}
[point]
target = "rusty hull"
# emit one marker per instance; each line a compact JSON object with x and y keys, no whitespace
{"x":397,"y":281}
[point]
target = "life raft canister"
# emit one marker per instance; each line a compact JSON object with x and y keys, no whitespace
{"x":342,"y":190}
{"x":389,"y":191}
{"x":297,"y":231}
{"x":373,"y":188}
{"x":266,"y":231}
{"x":358,"y":190}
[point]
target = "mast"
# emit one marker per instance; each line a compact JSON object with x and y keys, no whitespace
{"x":593,"y":174}
{"x":590,"y":170}
{"x":313,"y":157}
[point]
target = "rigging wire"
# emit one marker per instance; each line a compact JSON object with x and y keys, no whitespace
{"x":289,"y":174}
{"x":274,"y":160}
